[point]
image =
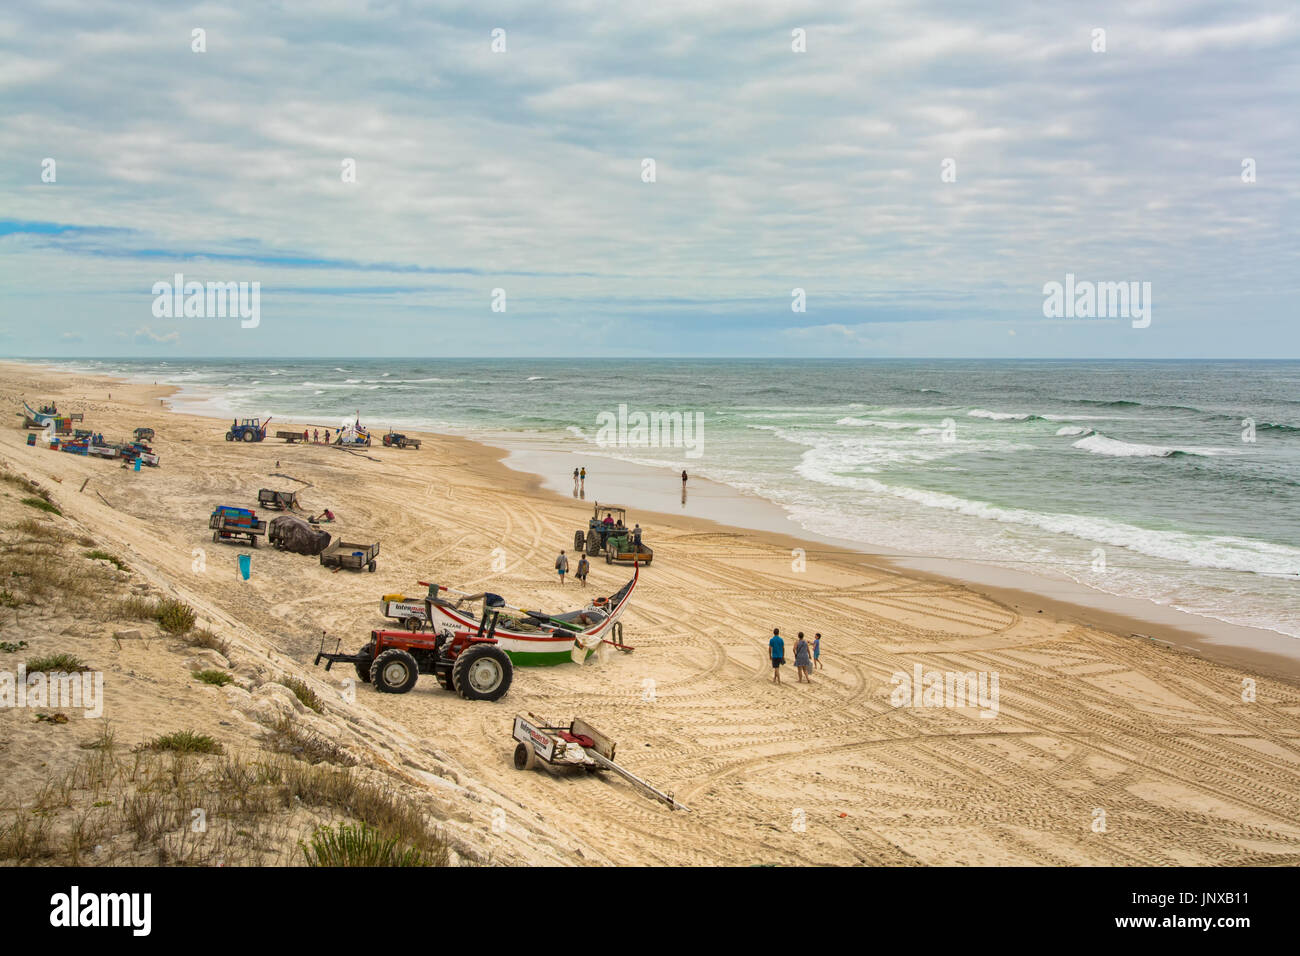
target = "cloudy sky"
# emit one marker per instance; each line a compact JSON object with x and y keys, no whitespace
{"x":774,"y":170}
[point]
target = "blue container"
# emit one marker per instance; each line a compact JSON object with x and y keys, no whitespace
{"x":137,"y":464}
{"x":245,"y":565}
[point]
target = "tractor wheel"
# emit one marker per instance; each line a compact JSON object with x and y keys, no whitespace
{"x":593,"y":544}
{"x":482,"y":672}
{"x":248,"y":436}
{"x":577,"y":541}
{"x":363,"y":670}
{"x":394,"y":672}
{"x":230,"y":436}
{"x":525,"y":759}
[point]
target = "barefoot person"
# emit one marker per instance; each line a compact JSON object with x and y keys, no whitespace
{"x":817,"y":651}
{"x":802,"y":659}
{"x":583,"y":567}
{"x":776,"y":648}
{"x":562,"y":566}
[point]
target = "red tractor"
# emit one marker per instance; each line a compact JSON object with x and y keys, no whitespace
{"x":468,"y":662}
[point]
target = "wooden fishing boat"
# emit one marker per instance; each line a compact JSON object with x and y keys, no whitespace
{"x":537,"y":639}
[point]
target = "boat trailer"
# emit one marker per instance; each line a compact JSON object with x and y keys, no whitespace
{"x":577,"y":744}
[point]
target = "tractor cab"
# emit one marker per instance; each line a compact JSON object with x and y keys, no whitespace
{"x":605,"y":521}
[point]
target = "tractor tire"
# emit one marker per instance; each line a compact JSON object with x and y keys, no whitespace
{"x":593,"y":544}
{"x":363,"y":670}
{"x":248,"y":436}
{"x":525,"y":758}
{"x":482,"y":672}
{"x":394,"y":672}
{"x":230,"y":436}
{"x":577,"y":541}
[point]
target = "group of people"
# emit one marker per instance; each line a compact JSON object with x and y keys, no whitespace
{"x":807,"y":655}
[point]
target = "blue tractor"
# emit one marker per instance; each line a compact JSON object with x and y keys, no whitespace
{"x":250,"y":429}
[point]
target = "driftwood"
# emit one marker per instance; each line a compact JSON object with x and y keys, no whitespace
{"x":276,"y":474}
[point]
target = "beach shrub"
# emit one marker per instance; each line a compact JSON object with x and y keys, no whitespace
{"x":56,"y":664}
{"x":305,"y":694}
{"x":185,"y":742}
{"x":174,"y":617}
{"x":215,"y":677}
{"x":203,"y":637}
{"x":42,"y":505}
{"x":9,"y":647}
{"x":97,"y":555}
{"x":348,"y":845}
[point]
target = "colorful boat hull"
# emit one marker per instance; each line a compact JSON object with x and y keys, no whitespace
{"x":542,"y":649}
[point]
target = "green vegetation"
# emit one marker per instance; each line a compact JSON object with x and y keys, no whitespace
{"x":56,"y":664}
{"x":348,"y":845}
{"x":214,"y":677}
{"x":174,"y":617}
{"x":43,"y":505}
{"x":309,"y":698}
{"x":97,"y":555}
{"x":185,"y":742}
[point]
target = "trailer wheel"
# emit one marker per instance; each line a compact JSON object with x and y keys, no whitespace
{"x":482,"y":672}
{"x":363,"y":670}
{"x":371,"y":567}
{"x":577,"y":541}
{"x":394,"y":672}
{"x":214,"y":537}
{"x":524,"y":757}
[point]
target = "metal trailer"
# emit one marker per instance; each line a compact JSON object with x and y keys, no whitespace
{"x":278,"y":500}
{"x":290,"y":437}
{"x":412,"y":614}
{"x":230,"y":524}
{"x":578,"y":744}
{"x":350,"y":555}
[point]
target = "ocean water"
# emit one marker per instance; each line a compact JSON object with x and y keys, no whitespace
{"x":1175,"y":482}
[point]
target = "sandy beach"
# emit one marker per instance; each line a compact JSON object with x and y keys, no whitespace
{"x":1103,"y":748}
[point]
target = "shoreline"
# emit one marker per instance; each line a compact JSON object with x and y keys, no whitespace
{"x":1262,"y":651}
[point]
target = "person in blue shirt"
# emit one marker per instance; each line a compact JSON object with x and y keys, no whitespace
{"x":776,"y":647}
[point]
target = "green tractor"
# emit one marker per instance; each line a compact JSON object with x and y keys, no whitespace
{"x":607,"y":532}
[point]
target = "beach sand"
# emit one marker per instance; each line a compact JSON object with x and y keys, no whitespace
{"x":1105,"y":748}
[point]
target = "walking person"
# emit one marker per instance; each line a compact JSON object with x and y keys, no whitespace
{"x":583,"y":567}
{"x":562,"y":566}
{"x":802,"y":659}
{"x":582,"y":481}
{"x":776,"y":649}
{"x":683,"y":478}
{"x":817,"y":651}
